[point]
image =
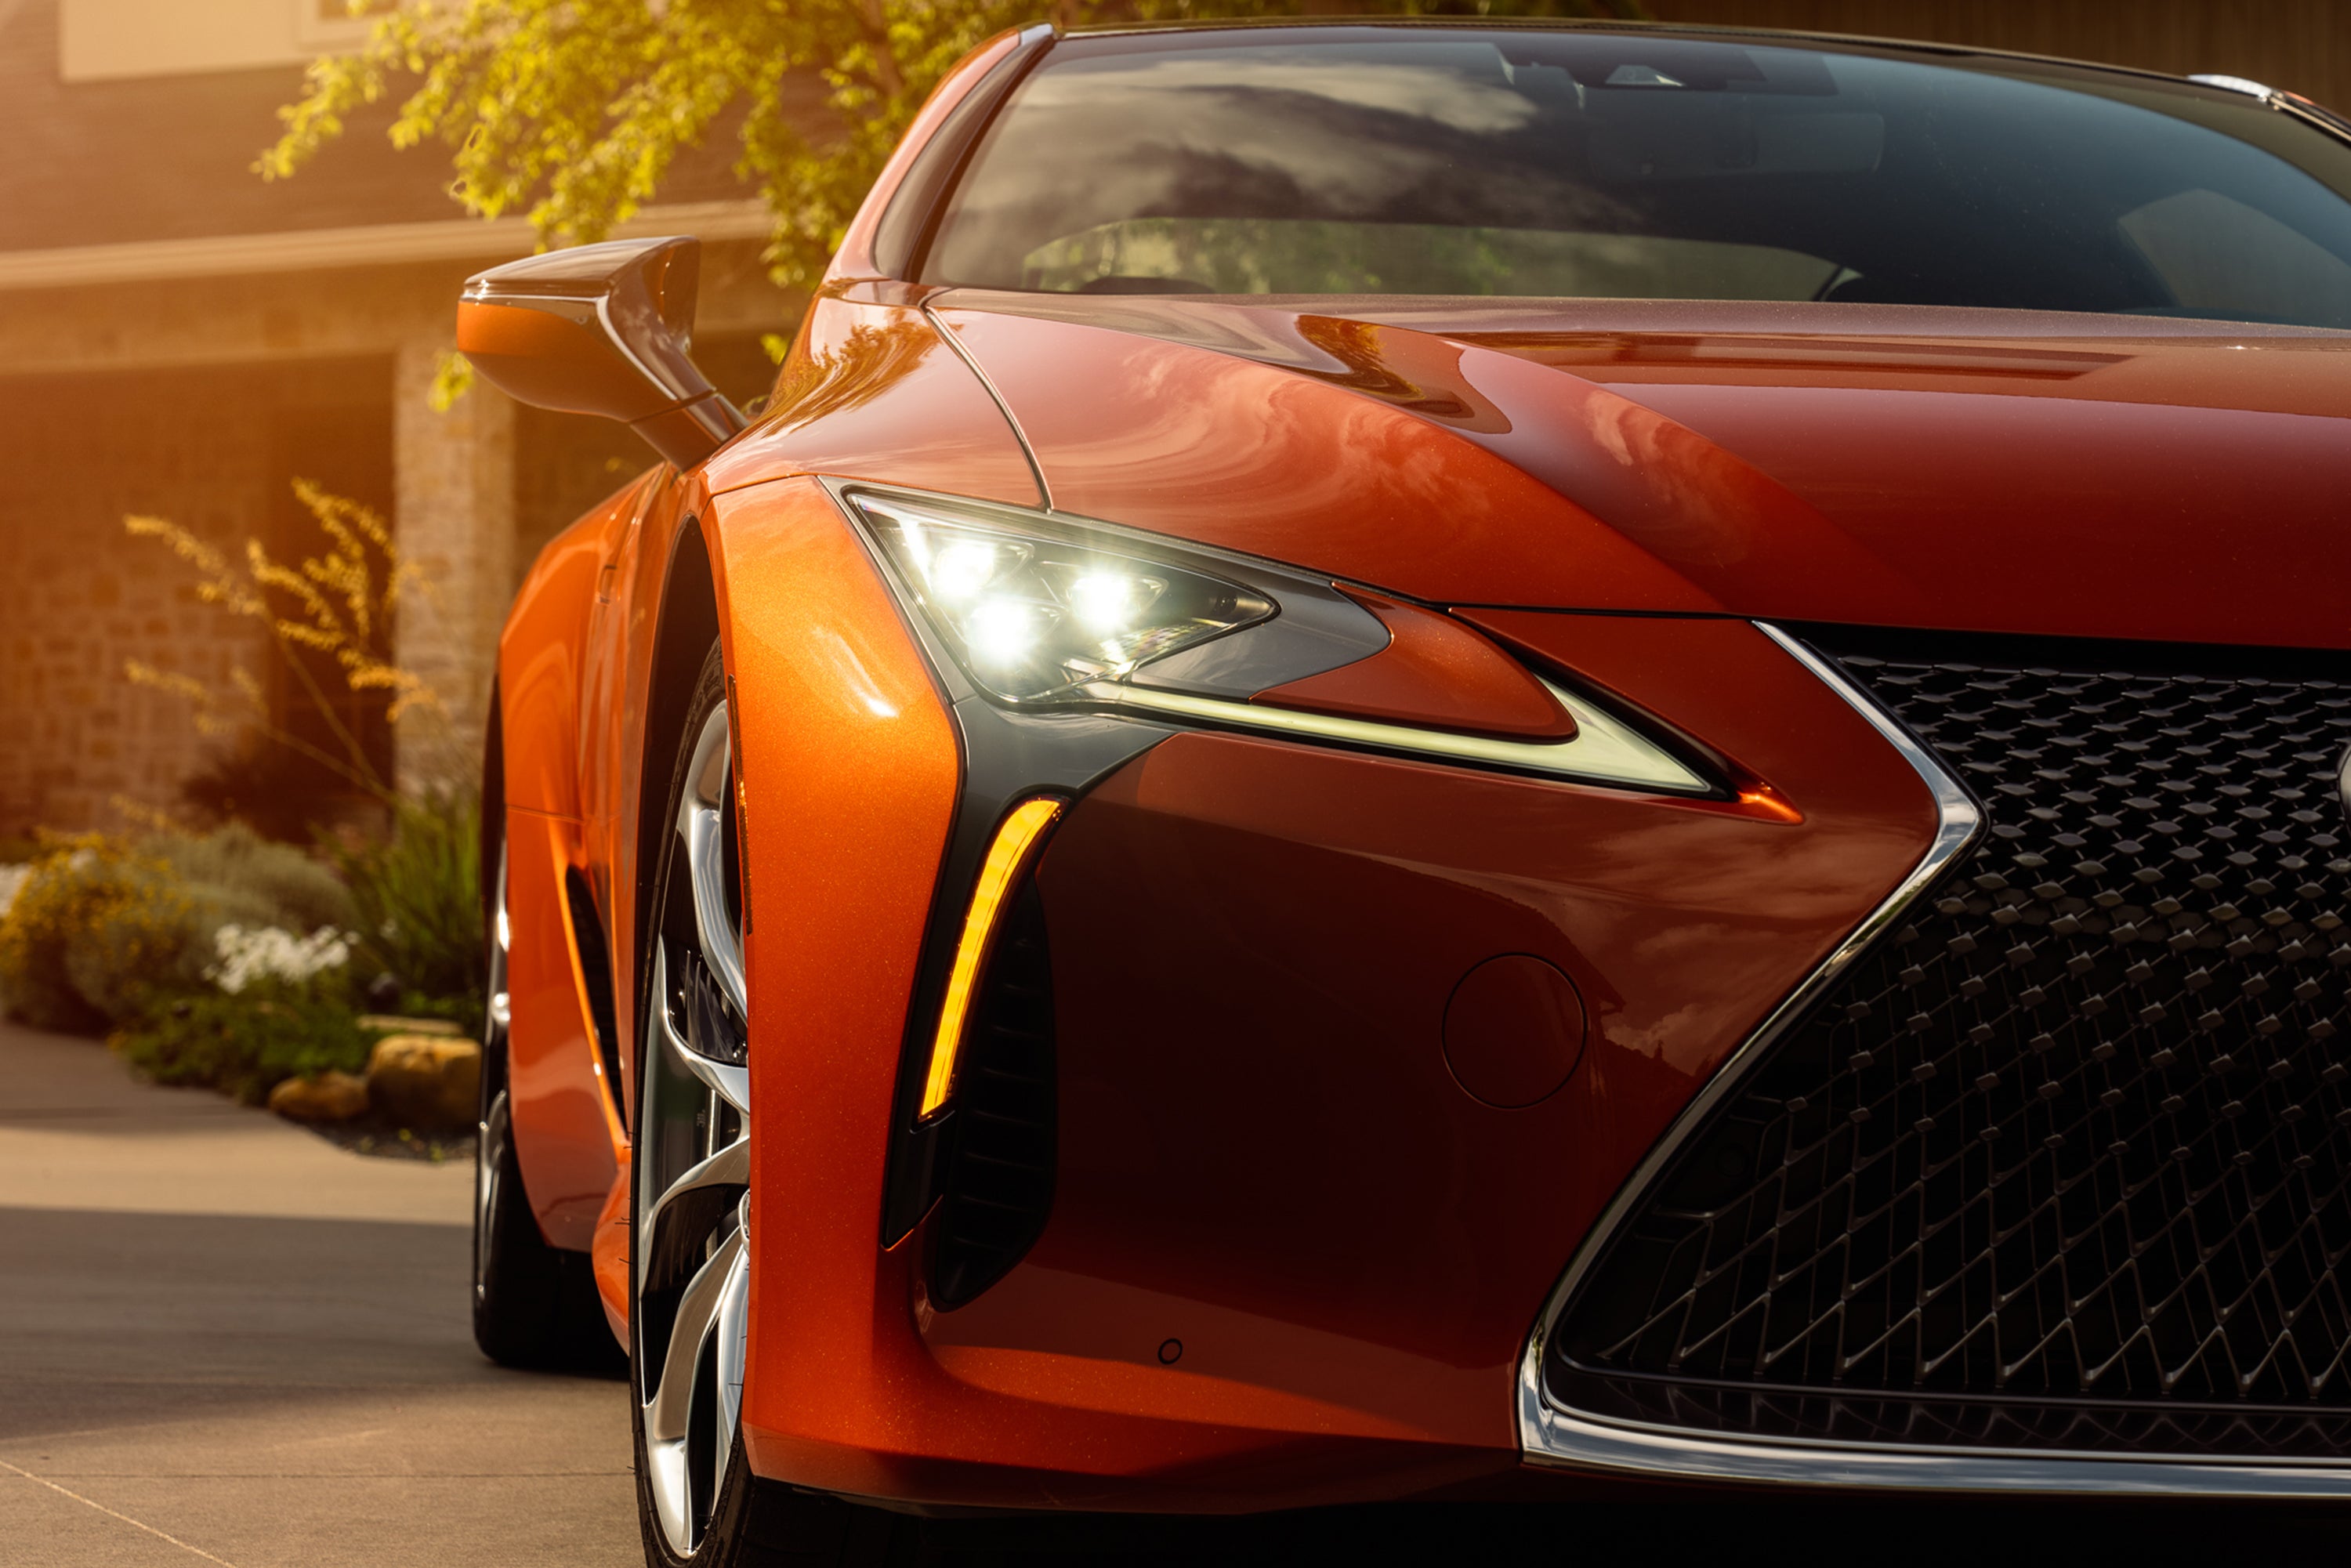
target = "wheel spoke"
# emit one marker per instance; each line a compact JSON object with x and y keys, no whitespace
{"x":693,"y":1161}
{"x":729,"y":1168}
{"x":733,"y":1321}
{"x":490,"y":1145}
{"x":490,"y":1130}
{"x":669,"y":1413}
{"x":732,"y":1084}
{"x":697,"y":1317}
{"x":700,"y":824}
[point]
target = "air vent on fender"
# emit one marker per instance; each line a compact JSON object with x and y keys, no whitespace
{"x":998,"y":1183}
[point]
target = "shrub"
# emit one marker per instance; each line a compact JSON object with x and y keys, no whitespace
{"x":245,"y":1045}
{"x":14,"y":874}
{"x":258,"y":883}
{"x":142,"y":946}
{"x":418,"y":898}
{"x":103,"y":931}
{"x":275,"y":1006}
{"x":76,"y":886}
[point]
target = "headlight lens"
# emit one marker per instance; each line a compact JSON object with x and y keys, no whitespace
{"x":1052,"y":617}
{"x":1031,"y":618}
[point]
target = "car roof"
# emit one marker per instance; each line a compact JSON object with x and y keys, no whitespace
{"x":1179,"y":32}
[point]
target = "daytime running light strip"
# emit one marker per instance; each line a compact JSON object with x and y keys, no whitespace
{"x":1006,"y":856}
{"x":1601,"y":749}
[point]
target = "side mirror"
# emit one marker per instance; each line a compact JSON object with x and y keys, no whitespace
{"x":601,"y":329}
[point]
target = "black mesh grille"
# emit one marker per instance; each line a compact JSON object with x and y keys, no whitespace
{"x":2062,"y":1162}
{"x":1000,"y":1171}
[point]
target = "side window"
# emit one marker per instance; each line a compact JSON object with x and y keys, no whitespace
{"x":2220,"y":256}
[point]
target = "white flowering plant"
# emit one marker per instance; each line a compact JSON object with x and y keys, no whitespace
{"x":260,"y":955}
{"x":277,"y":1004}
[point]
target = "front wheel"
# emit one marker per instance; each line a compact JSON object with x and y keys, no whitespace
{"x":534,"y":1305}
{"x":691,"y":1221}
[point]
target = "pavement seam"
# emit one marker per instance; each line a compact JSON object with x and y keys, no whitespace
{"x":112,"y":1514}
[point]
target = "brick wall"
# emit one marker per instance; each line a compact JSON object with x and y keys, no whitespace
{"x":81,"y":597}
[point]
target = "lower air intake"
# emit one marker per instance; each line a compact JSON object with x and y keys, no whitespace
{"x":998,"y":1185}
{"x":2064,"y":1161}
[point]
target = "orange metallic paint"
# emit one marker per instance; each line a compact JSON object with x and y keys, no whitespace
{"x":553,"y":349}
{"x":862,"y":375}
{"x":565,"y":1129}
{"x":850,"y":773}
{"x":566,"y":1132}
{"x":1264,"y":1155}
{"x":600,"y":760}
{"x":1670,"y":501}
{"x":632,"y":622}
{"x":539,"y":658}
{"x":2195,"y":479}
{"x":1514,"y":1030}
{"x":1350,"y":1303}
{"x":1351,"y":1285}
{"x":1211,"y":446}
{"x":607,"y":766}
{"x":609,"y":1253}
{"x":1435,"y":672}
{"x":575,"y":662}
{"x":1878,"y":464}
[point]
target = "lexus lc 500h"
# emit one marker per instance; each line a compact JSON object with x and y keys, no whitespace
{"x":1414,"y":759}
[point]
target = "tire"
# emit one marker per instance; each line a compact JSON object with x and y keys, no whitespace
{"x":535,"y":1305}
{"x":698,"y":1504}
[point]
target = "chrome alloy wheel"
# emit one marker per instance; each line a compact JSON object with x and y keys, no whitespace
{"x":491,"y":1131}
{"x":693,"y":1157}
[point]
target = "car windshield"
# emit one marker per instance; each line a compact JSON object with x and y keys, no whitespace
{"x":1579,"y":163}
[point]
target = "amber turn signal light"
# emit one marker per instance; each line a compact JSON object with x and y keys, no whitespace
{"x":1016,"y":843}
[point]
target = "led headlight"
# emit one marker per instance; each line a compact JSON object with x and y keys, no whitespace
{"x":1032,"y":617}
{"x":1041,"y":612}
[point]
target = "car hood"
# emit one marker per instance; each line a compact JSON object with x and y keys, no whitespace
{"x":2005,"y":471}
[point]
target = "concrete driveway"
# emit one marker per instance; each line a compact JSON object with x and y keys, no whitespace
{"x":223,"y":1340}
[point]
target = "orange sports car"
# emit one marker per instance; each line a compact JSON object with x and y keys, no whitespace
{"x":1418,"y":759}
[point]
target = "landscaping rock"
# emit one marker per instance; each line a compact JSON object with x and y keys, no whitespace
{"x":329,"y":1097}
{"x":393,"y":1023}
{"x":425,"y":1080}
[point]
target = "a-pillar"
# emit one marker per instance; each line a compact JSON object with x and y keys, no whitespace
{"x":453,"y":487}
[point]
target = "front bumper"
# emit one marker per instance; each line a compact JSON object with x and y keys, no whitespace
{"x":1289,"y":1258}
